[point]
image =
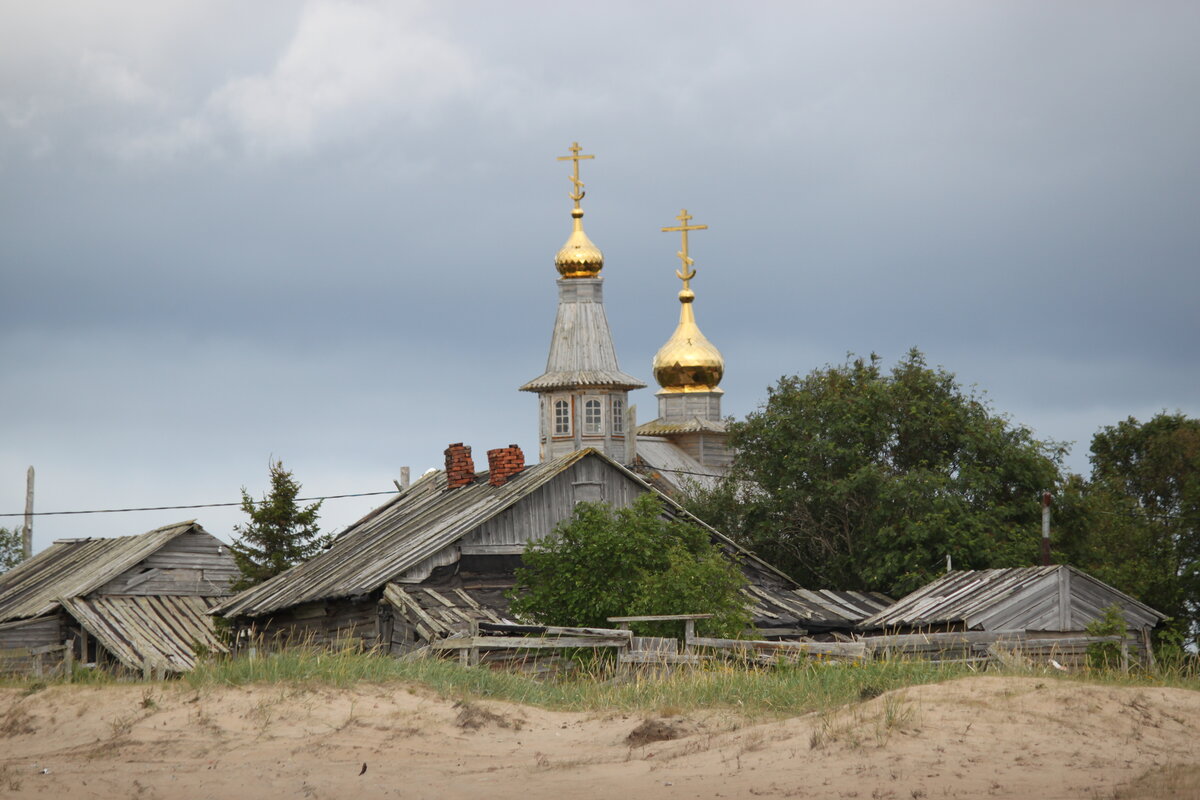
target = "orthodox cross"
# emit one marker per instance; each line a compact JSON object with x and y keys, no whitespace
{"x":686,"y":273}
{"x":575,"y":149}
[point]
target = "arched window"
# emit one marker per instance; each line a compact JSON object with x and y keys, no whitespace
{"x":592,"y":417}
{"x":618,"y":415}
{"x":562,"y":418}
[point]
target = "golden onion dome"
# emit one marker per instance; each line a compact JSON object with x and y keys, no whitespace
{"x":579,"y":258}
{"x":688,"y":362}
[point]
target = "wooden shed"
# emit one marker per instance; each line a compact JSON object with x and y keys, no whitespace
{"x":131,"y":602}
{"x":443,"y":554}
{"x":1047,"y":601}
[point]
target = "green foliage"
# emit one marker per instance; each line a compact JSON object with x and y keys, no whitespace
{"x":12,"y":548}
{"x":279,"y":535}
{"x":1107,"y":655}
{"x":856,"y":479}
{"x":1141,"y":529}
{"x":628,"y":562}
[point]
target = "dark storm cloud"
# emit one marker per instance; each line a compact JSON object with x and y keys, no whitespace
{"x":325,"y":232}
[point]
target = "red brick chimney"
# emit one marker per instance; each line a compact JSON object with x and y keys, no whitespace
{"x":503,"y":463}
{"x":460,"y":468}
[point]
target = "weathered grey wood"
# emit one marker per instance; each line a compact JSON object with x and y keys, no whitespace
{"x":841,"y":649}
{"x":661,"y":618}
{"x":531,"y":643}
{"x":555,"y":630}
{"x":27,"y":530}
{"x":654,"y":657}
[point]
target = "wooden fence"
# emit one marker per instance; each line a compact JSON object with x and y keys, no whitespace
{"x":40,"y":662}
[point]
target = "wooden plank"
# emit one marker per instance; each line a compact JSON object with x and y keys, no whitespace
{"x":661,"y":618}
{"x":554,"y":630}
{"x":846,"y":649}
{"x":521,"y":643}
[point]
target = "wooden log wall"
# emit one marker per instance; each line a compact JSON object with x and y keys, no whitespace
{"x":196,"y":564}
{"x":327,"y":623}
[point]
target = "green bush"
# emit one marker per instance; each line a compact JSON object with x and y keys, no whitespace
{"x":607,"y":562}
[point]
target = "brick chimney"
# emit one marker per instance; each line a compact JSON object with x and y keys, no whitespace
{"x":460,"y":468}
{"x":503,"y":463}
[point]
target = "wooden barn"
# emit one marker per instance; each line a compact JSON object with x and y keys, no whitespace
{"x":131,"y":602}
{"x":443,"y":553}
{"x":1050,"y":603}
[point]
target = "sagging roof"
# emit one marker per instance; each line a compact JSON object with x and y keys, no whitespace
{"x":415,"y":526}
{"x":74,"y":567}
{"x":1025,"y":598}
{"x":823,"y":609}
{"x":438,"y":613}
{"x":153,"y":631}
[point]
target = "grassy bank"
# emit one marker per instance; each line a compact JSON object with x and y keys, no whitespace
{"x":750,"y":690}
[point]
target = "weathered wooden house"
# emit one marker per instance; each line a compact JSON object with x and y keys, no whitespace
{"x":130,"y":602}
{"x":443,"y":553}
{"x":1040,"y":602}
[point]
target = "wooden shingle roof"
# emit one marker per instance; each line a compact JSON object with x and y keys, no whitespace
{"x":395,"y":537}
{"x":74,"y":567}
{"x":1054,"y":598}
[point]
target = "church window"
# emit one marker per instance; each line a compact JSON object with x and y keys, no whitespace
{"x":562,"y":418}
{"x":592,"y":417}
{"x":618,"y":415}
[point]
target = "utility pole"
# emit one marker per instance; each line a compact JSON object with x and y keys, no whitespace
{"x":1046,"y":528}
{"x":27,"y":532}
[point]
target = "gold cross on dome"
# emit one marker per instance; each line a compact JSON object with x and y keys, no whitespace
{"x":575,"y":149}
{"x":686,"y":273}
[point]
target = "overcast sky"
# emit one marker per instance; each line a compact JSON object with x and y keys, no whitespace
{"x":324,"y":232}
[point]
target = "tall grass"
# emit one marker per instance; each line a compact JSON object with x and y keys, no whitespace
{"x":752,"y":690}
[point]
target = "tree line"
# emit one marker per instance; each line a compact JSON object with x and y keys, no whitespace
{"x":857,"y":477}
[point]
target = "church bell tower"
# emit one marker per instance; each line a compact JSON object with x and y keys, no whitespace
{"x":582,"y":395}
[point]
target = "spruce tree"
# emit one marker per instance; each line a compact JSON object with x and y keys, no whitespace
{"x":279,"y":534}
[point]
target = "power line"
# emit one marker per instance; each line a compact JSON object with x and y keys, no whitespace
{"x":198,"y":505}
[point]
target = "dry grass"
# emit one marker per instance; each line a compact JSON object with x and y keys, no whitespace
{"x":1180,"y":780}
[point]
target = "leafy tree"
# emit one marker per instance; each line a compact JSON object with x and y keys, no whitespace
{"x":607,"y":562}
{"x":1142,"y":527}
{"x":12,"y":548}
{"x":856,"y":479}
{"x":279,"y":535}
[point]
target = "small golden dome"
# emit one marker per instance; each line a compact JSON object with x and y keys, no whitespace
{"x":688,"y":362}
{"x":579,"y":258}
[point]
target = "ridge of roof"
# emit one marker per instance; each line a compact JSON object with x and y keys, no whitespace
{"x":75,"y":568}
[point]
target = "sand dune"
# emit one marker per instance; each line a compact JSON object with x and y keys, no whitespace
{"x":979,"y":737}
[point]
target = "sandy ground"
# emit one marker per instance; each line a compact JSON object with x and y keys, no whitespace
{"x":978,"y":737}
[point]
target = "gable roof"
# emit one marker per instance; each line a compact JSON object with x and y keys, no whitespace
{"x":74,"y":567}
{"x":1027,"y":598}
{"x":416,"y":525}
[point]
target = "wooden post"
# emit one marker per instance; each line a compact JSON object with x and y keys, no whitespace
{"x":1125,"y":655}
{"x":27,"y":532}
{"x":68,"y":661}
{"x":689,"y":633}
{"x":37,"y":665}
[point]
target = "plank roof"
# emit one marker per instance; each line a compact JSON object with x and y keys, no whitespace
{"x":581,"y":346}
{"x":675,"y":467}
{"x":75,"y":567}
{"x":157,"y":631}
{"x":1025,"y":598}
{"x":416,"y":525}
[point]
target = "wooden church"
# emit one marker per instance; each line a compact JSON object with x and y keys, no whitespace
{"x":442,"y":554}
